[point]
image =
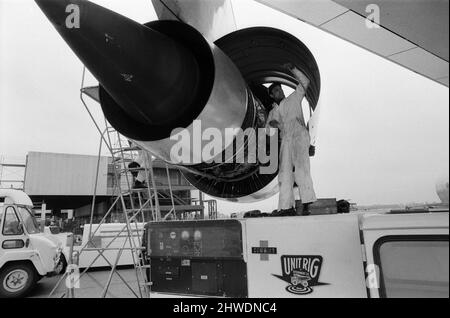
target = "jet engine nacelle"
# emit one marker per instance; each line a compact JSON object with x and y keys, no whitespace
{"x":163,"y":80}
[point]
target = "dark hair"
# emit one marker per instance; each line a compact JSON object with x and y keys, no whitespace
{"x":271,"y":87}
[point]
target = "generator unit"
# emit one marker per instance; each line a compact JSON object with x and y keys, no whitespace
{"x":336,"y":255}
{"x":197,"y":258}
{"x":256,"y":257}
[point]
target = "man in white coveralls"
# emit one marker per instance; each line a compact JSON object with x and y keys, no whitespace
{"x":295,"y":143}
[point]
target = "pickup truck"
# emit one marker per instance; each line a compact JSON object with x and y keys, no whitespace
{"x":394,"y":254}
{"x":26,"y":255}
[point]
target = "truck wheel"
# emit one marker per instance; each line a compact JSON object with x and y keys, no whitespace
{"x":16,"y":280}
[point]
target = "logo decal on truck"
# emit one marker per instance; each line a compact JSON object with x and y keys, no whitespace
{"x":301,"y":272}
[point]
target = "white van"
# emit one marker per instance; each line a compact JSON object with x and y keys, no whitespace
{"x":112,"y":236}
{"x":108,"y":235}
{"x":26,"y":255}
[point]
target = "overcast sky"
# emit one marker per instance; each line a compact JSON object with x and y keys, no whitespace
{"x":384,"y":131}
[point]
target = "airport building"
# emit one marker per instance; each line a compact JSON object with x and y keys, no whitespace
{"x":63,"y":186}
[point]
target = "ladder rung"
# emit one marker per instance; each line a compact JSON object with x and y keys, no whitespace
{"x":139,"y":189}
{"x":131,"y":191}
{"x":124,"y":149}
{"x":132,"y":169}
{"x":147,"y":284}
{"x":117,"y":159}
{"x":181,"y":208}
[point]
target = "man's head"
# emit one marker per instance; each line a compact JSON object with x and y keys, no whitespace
{"x":276,"y":92}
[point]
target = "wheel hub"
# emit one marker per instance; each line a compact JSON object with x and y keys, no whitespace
{"x":15,"y":280}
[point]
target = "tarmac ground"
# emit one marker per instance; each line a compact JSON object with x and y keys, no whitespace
{"x":91,"y":285}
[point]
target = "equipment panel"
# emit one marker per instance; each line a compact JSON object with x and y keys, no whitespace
{"x":197,"y":258}
{"x":205,"y":239}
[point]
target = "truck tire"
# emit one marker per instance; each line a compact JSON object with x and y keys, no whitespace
{"x":17,"y":280}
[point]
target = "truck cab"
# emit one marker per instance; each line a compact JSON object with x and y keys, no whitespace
{"x":26,"y":255}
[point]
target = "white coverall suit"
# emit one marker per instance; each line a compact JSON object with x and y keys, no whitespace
{"x":294,"y":152}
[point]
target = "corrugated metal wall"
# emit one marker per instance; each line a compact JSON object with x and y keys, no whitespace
{"x":64,"y":174}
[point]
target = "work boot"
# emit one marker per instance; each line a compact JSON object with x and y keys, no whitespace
{"x":306,"y":210}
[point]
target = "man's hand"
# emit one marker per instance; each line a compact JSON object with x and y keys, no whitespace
{"x":299,"y":75}
{"x":312,"y":151}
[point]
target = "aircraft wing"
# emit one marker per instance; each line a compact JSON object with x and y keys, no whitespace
{"x":212,"y":18}
{"x":413,"y":34}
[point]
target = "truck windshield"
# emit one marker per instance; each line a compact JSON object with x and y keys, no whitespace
{"x":28,"y":220}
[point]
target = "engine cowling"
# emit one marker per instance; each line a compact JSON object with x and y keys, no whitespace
{"x":163,"y":80}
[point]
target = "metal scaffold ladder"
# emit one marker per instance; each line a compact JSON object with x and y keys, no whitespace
{"x":131,"y":202}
